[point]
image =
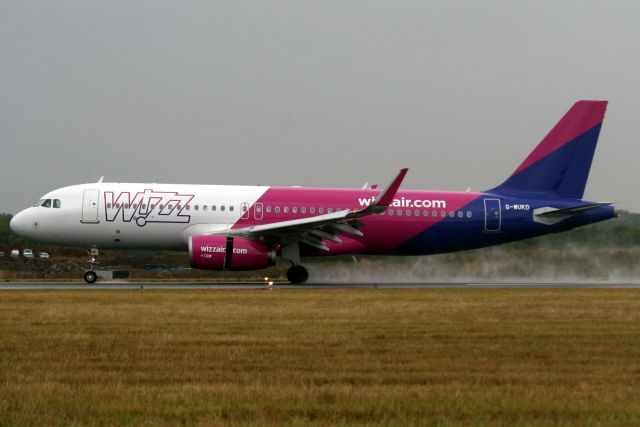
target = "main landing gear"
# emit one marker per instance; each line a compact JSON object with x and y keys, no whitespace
{"x":297,"y":274}
{"x":90,"y":276}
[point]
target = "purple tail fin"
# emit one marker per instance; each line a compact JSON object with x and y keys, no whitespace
{"x":560,"y":164}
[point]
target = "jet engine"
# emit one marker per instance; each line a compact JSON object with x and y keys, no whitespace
{"x":229,"y":253}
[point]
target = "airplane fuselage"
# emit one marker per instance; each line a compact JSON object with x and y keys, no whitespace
{"x":164,"y":216}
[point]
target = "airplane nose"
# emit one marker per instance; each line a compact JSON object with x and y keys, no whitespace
{"x":18,"y":224}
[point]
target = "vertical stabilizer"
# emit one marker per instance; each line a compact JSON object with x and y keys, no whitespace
{"x":560,"y":164}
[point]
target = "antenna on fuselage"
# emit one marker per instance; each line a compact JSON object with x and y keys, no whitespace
{"x":100,"y":180}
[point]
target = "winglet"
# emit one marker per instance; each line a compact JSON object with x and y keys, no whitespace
{"x":385,"y":198}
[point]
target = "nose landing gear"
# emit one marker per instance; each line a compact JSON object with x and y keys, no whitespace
{"x":90,"y":276}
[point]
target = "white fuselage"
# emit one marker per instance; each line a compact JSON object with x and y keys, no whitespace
{"x":114,"y":215}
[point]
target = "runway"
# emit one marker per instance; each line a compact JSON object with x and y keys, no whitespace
{"x":114,"y":285}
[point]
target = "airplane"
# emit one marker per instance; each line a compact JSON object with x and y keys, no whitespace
{"x":246,"y":227}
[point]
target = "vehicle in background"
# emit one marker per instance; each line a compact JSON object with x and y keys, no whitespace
{"x":15,"y":253}
{"x":27,"y":253}
{"x":43,"y":255}
{"x":1,"y":254}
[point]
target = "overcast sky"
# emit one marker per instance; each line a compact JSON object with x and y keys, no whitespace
{"x":317,"y":93}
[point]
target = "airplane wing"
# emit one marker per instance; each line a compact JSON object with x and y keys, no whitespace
{"x":314,"y":230}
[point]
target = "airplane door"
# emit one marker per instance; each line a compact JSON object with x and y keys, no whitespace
{"x":492,"y":215}
{"x":90,"y":206}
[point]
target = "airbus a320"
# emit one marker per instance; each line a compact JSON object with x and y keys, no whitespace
{"x":246,"y":227}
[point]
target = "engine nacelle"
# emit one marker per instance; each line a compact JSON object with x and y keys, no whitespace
{"x":229,"y":253}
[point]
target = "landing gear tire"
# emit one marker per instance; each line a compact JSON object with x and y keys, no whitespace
{"x":297,"y":274}
{"x":90,"y":277}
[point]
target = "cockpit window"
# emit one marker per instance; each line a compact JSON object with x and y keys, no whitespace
{"x":47,"y":203}
{"x":38,"y":203}
{"x":56,"y":203}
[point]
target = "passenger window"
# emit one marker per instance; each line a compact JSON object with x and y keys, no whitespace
{"x":205,"y":207}
{"x":258,"y":208}
{"x":312,"y":210}
{"x":425,"y":213}
{"x":469,"y":214}
{"x":213,"y":207}
{"x":118,"y":206}
{"x":135,"y":206}
{"x":434,"y":213}
{"x":126,"y":206}
{"x":221,"y":208}
{"x":295,"y":210}
{"x":153,"y":206}
{"x":56,"y":203}
{"x":244,"y":208}
{"x":329,"y":210}
{"x":179,"y":208}
{"x":277,"y":209}
{"x":399,"y":212}
{"x":143,"y":206}
{"x":268,"y":209}
{"x":161,"y":207}
{"x":451,"y":214}
{"x":460,"y":214}
{"x":231,"y":208}
{"x":188,"y":207}
{"x":443,"y":214}
{"x":303,"y":210}
{"x":417,"y":213}
{"x":321,"y":210}
{"x":390,"y":212}
{"x":196,"y":207}
{"x":108,"y":205}
{"x":286,"y":209}
{"x":408,"y":212}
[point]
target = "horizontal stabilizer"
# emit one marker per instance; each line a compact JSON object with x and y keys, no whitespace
{"x":548,"y":215}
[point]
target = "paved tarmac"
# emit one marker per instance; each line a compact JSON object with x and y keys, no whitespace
{"x":106,"y":285}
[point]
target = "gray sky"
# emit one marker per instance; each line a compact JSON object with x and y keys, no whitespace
{"x":318,"y":93}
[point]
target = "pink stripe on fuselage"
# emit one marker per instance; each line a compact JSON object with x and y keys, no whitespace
{"x":583,"y":116}
{"x":382,"y":233}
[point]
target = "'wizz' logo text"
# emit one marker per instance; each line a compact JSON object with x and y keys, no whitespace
{"x":147,"y":206}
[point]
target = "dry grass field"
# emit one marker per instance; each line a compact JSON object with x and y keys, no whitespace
{"x":322,"y":357}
